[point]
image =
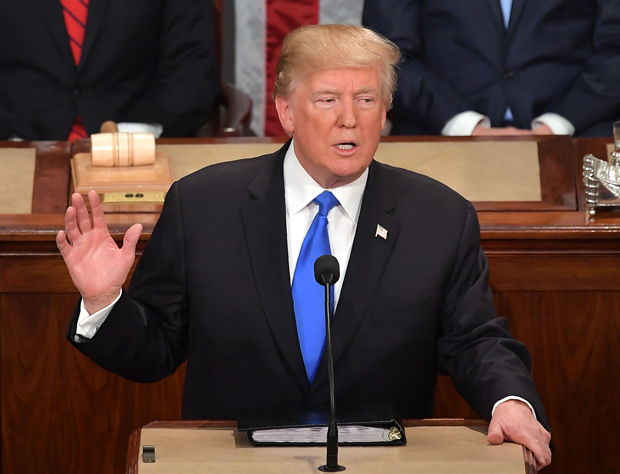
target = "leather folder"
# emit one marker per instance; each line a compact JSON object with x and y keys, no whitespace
{"x":364,"y":425}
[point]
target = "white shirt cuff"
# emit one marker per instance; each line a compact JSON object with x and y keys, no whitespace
{"x":513,"y":398}
{"x":88,"y":324}
{"x":137,"y":127}
{"x":558,"y":124}
{"x":463,"y":124}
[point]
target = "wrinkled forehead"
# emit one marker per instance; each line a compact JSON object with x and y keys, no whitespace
{"x":339,"y":79}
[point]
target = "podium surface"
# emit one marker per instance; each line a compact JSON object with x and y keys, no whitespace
{"x":189,"y":448}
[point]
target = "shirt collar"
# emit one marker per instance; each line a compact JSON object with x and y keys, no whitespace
{"x":300,"y":188}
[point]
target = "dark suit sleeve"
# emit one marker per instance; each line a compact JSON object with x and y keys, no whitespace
{"x":595,"y":94}
{"x":145,"y":336}
{"x":484,"y":361}
{"x":422,"y":97}
{"x":186,"y":83}
{"x":13,"y":125}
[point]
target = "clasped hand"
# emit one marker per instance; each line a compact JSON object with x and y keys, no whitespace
{"x":98,"y":267}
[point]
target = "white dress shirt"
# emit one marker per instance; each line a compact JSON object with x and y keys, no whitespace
{"x":299,"y":190}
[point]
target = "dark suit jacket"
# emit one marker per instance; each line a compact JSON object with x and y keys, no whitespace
{"x":560,"y":56}
{"x":142,"y":61}
{"x":213,"y":287}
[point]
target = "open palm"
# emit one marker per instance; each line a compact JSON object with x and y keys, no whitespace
{"x":98,"y":267}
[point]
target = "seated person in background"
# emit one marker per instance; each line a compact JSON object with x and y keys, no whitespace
{"x":219,"y":281}
{"x":150,"y":62}
{"x":503,"y":67}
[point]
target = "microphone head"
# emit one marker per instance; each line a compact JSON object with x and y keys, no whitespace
{"x":326,"y":270}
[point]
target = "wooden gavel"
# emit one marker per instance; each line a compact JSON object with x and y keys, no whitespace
{"x":112,"y":148}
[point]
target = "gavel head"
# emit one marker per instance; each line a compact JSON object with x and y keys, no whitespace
{"x":122,"y":149}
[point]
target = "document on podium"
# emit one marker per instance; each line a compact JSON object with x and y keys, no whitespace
{"x":362,"y":425}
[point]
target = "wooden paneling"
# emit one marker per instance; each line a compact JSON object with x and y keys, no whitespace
{"x":574,"y":339}
{"x":60,"y":412}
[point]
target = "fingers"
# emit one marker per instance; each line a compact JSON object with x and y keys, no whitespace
{"x":536,"y":439}
{"x":500,"y":131}
{"x":96,"y":210}
{"x":540,"y":449}
{"x":83,"y":218}
{"x":530,"y":461}
{"x":131,"y":239}
{"x":495,"y":434}
{"x":517,"y":131}
{"x":62,"y":243}
{"x":71,"y":226}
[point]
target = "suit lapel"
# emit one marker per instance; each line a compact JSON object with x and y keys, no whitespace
{"x":96,"y":14}
{"x":52,"y":12}
{"x":515,"y":15}
{"x":264,"y":220}
{"x":369,"y":256}
{"x":496,"y":12}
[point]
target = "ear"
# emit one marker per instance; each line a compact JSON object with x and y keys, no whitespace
{"x":383,"y":115}
{"x":285,"y":114}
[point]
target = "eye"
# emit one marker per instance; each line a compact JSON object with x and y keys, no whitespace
{"x":366,"y":100}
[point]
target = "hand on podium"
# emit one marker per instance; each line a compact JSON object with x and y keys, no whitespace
{"x":97,"y":266}
{"x":513,"y":421}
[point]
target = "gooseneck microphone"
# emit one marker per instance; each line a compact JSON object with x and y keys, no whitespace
{"x":327,"y":272}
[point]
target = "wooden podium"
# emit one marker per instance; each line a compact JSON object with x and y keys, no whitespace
{"x":434,"y":446}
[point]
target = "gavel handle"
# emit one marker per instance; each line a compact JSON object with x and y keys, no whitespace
{"x":109,"y":127}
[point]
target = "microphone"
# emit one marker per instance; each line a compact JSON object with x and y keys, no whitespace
{"x":327,"y":272}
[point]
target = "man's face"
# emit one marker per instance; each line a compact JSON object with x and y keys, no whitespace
{"x":336,"y":117}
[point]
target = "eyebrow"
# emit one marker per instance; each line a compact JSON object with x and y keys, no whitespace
{"x":364,"y":90}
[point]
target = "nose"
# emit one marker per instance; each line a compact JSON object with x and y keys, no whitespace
{"x":347,"y":117}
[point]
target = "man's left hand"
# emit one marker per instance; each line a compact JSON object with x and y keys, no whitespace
{"x":513,"y":421}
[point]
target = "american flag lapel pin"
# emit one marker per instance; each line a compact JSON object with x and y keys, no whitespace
{"x":381,"y":232}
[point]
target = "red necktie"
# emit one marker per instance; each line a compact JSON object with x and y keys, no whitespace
{"x":76,"y":13}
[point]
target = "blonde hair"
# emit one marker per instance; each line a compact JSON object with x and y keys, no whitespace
{"x":313,"y":48}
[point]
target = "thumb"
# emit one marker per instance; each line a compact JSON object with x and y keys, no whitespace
{"x":131,"y":239}
{"x":495,"y":434}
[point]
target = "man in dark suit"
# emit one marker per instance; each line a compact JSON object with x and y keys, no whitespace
{"x":503,"y":66}
{"x":141,"y":61}
{"x":216,"y":285}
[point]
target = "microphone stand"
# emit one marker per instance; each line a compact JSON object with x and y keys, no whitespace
{"x":332,"y":430}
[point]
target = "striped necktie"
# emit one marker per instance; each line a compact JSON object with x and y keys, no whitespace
{"x":308,"y":295}
{"x":75,"y":13}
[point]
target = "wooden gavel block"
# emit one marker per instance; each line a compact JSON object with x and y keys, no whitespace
{"x":122,"y":149}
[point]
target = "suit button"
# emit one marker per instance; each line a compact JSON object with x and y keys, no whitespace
{"x":509,"y":75}
{"x":77,"y":93}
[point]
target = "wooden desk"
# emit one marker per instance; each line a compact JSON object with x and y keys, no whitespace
{"x":434,"y":446}
{"x":553,"y":276}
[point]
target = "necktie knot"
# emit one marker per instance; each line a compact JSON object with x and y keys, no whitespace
{"x":326,"y":201}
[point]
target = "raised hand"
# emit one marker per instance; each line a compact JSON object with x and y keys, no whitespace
{"x":98,"y":267}
{"x":513,"y":421}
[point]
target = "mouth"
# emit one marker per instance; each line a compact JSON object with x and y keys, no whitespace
{"x":346,"y":146}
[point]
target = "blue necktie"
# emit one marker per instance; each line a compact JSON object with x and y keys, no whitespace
{"x":308,"y":295}
{"x":506,"y":8}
